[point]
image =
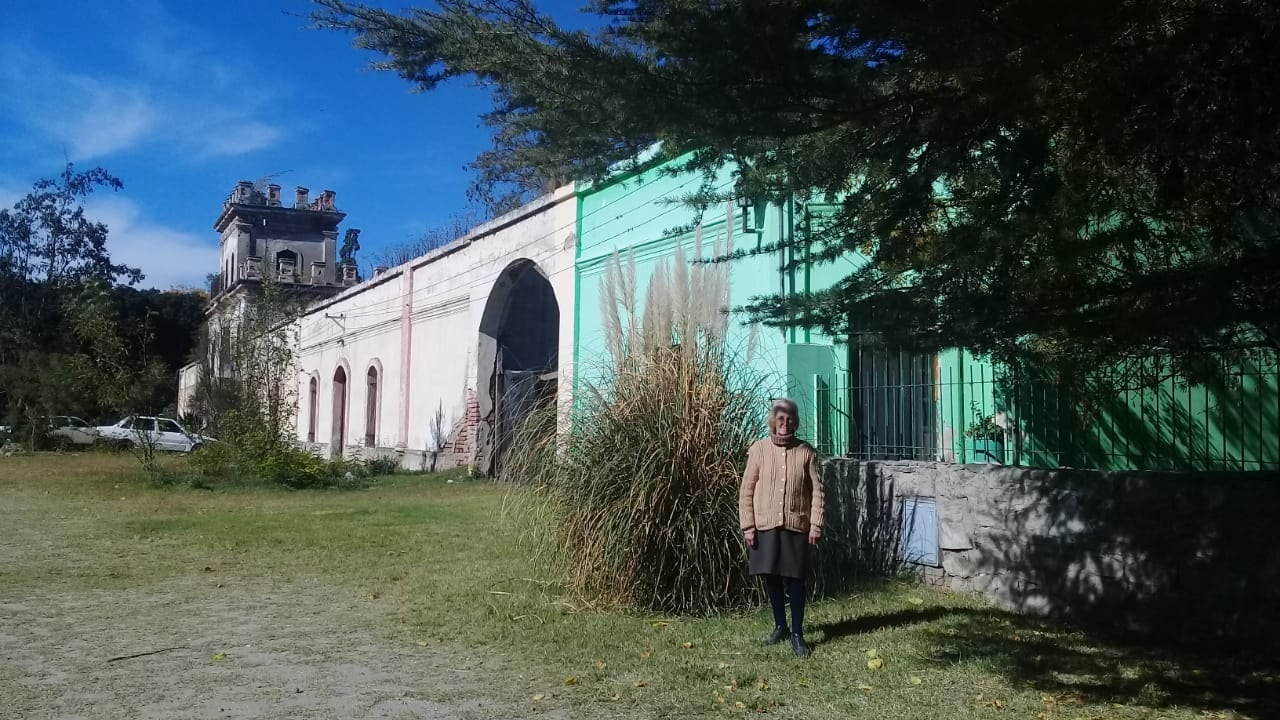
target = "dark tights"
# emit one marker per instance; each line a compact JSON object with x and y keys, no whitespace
{"x":780,"y":590}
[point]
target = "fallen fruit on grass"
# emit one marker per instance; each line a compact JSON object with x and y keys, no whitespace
{"x":915,"y":680}
{"x":687,"y":645}
{"x":916,"y":601}
{"x":875,"y":663}
{"x":872,"y":654}
{"x":571,"y":680}
{"x":220,"y":656}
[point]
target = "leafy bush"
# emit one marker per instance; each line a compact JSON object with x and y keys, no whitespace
{"x":277,"y":465}
{"x":252,"y":408}
{"x":298,"y":469}
{"x":639,"y":498}
{"x":380,"y":466}
{"x":246,"y":454}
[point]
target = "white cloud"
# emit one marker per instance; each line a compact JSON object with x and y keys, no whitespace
{"x":167,"y":256}
{"x":143,"y":105}
{"x":238,"y":138}
{"x":109,"y":119}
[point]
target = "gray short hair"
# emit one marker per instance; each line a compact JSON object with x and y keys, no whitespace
{"x":786,"y":404}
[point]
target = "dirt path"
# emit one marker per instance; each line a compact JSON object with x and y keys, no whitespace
{"x":250,"y":653}
{"x":236,"y":644}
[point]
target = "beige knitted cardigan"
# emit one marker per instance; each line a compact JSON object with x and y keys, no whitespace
{"x":781,"y":487}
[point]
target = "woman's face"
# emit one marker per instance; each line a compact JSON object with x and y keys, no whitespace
{"x":784,"y":423}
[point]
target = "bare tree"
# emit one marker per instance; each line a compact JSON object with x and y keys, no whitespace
{"x":247,"y":382}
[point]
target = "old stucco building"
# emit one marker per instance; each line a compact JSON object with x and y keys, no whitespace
{"x":446,"y":352}
{"x":432,"y":361}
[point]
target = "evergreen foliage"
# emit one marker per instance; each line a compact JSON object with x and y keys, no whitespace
{"x":1074,"y":183}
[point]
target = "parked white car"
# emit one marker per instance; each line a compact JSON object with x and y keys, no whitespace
{"x":163,"y":433}
{"x":63,"y":431}
{"x":70,"y":430}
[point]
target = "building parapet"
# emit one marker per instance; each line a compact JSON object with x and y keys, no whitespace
{"x":246,"y":193}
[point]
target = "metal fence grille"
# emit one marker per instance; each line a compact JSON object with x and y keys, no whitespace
{"x":890,"y":413}
{"x":955,"y":408}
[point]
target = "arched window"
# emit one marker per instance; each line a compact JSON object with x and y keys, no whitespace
{"x":313,"y":408}
{"x":371,"y":408}
{"x":287,"y":266}
{"x":338,"y":437}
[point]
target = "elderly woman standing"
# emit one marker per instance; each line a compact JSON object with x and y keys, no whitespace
{"x":780,"y":507}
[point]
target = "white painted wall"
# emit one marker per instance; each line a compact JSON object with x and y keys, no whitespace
{"x":188,"y":376}
{"x":357,"y":332}
{"x":419,"y":323}
{"x":229,"y":311}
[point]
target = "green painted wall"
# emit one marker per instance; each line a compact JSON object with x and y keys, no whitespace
{"x":1233,"y":426}
{"x":817,"y":364}
{"x":637,"y":213}
{"x":641,"y":213}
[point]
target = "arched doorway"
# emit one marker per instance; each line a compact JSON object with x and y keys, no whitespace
{"x":517,"y":357}
{"x":313,"y":408}
{"x":338,"y":437}
{"x":371,"y":399}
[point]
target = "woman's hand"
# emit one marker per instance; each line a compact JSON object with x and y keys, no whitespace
{"x":750,"y":536}
{"x":814,"y":536}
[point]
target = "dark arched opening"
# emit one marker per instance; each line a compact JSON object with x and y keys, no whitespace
{"x":517,"y":357}
{"x":313,"y":408}
{"x":338,"y":436}
{"x":371,"y":408}
{"x":287,"y":266}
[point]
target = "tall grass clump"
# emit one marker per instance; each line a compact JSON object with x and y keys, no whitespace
{"x":637,"y":500}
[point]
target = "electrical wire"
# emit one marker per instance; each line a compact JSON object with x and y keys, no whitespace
{"x":392,"y":306}
{"x":397,"y":301}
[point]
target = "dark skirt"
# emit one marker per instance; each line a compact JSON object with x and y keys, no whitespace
{"x":779,"y":552}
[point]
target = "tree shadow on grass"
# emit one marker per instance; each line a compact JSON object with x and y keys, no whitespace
{"x":1075,"y":665}
{"x":830,"y":632}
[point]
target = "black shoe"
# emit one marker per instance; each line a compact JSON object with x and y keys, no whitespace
{"x":800,"y":647}
{"x":778,"y":635}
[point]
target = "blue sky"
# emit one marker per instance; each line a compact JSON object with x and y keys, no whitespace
{"x":180,"y":100}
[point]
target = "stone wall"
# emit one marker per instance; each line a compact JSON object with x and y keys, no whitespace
{"x":1179,"y":554}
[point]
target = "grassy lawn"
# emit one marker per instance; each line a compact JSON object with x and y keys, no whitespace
{"x":439,"y":560}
